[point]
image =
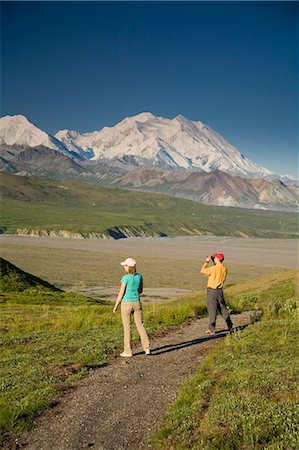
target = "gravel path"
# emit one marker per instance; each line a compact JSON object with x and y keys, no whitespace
{"x":116,"y":406}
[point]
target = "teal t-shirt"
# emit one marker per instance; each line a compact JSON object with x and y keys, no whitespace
{"x":132,"y":283}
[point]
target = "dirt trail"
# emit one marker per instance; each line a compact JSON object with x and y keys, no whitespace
{"x":116,"y":406}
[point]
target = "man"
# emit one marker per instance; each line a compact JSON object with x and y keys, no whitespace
{"x":215,"y":299}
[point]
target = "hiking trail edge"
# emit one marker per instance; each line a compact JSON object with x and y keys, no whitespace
{"x":115,"y":407}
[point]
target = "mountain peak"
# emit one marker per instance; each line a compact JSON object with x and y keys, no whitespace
{"x":166,"y":143}
{"x":17,"y":119}
{"x":184,"y":121}
{"x":144,"y":138}
{"x":69,"y":138}
{"x":143,"y":117}
{"x":180,"y":117}
{"x":67,"y":133}
{"x":18,"y":130}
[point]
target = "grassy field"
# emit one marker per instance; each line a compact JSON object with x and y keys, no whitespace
{"x":49,"y":339}
{"x":245,"y":394}
{"x":38,"y":204}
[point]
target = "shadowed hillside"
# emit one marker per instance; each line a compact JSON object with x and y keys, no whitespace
{"x":14,"y":279}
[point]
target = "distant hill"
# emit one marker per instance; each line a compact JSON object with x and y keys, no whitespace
{"x":215,"y":188}
{"x":43,"y":207}
{"x":13,"y":279}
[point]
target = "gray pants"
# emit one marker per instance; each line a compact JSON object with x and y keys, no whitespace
{"x":216,"y":302}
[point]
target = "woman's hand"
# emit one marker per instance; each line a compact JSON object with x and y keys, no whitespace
{"x":120,"y":296}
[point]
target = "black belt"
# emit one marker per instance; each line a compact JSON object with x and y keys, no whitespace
{"x":215,"y":289}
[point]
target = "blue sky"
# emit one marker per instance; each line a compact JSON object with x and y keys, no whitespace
{"x":85,"y":65}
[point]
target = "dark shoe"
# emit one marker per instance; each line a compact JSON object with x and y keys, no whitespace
{"x":229,"y":324}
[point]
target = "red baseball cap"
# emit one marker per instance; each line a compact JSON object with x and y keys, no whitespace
{"x":220,"y":256}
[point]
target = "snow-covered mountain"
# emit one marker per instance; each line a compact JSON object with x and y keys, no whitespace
{"x":177,"y":156}
{"x":69,"y":139}
{"x":176,"y":143}
{"x":140,"y":141}
{"x":19,"y":131}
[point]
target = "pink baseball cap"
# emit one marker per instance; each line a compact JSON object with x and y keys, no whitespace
{"x":129,"y":262}
{"x":220,"y":256}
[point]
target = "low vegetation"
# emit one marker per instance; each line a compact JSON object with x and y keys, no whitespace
{"x":245,"y":394}
{"x":51,"y":338}
{"x":69,"y":208}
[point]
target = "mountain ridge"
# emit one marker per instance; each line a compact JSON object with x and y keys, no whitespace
{"x":168,"y":143}
{"x":162,"y":142}
{"x":176,"y":156}
{"x":214,"y":188}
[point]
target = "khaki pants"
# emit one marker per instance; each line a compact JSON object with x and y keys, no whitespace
{"x":126,"y":309}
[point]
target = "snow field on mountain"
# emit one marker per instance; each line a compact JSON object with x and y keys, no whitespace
{"x":175,"y":144}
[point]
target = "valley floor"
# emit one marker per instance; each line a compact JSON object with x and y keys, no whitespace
{"x":278,"y":253}
{"x":77,"y":265}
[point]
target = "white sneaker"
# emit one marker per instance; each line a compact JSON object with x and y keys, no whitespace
{"x":126,"y":355}
{"x":147,"y":351}
{"x":212,"y":332}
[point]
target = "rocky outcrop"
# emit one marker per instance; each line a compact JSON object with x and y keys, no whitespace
{"x":61,"y":233}
{"x":121,"y":232}
{"x":39,"y":160}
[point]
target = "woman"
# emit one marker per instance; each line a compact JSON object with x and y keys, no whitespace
{"x":129,"y":297}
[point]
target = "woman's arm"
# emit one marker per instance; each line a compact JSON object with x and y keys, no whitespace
{"x":119,"y":296}
{"x":140,"y":289}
